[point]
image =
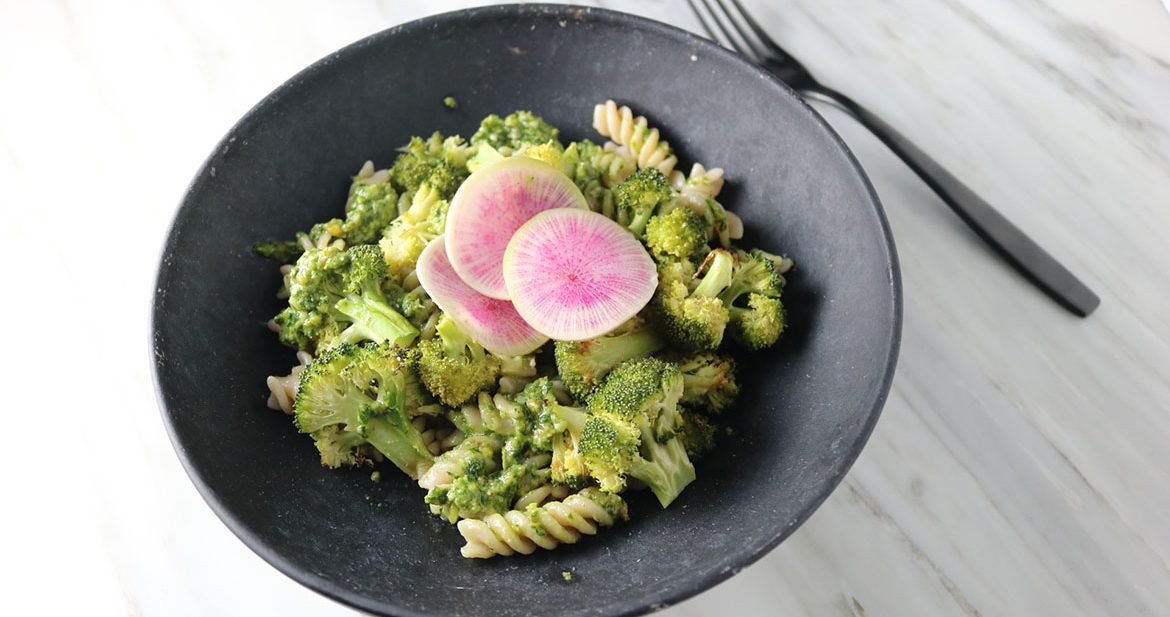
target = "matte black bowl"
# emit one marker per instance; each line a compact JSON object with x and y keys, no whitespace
{"x":808,"y":405}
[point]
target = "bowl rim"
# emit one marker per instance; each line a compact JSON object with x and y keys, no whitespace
{"x":730,"y":564}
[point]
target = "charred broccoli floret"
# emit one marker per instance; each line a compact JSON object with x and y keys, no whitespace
{"x":697,"y":434}
{"x":688,"y":310}
{"x":709,"y":381}
{"x":356,"y":396}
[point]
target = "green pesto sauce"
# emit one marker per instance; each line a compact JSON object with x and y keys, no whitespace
{"x":450,"y":102}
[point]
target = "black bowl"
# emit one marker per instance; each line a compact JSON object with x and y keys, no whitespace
{"x":808,"y":406}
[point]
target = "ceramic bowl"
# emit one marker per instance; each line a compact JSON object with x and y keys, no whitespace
{"x":808,"y":404}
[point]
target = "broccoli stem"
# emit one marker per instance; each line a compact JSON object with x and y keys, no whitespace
{"x":610,"y":352}
{"x":396,"y":438}
{"x":455,"y":343}
{"x":638,"y":224}
{"x":374,"y":320}
{"x":719,"y":265}
{"x":663,"y":466}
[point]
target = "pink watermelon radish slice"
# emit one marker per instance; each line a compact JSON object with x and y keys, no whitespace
{"x":491,"y":205}
{"x":575,"y":274}
{"x":494,"y":323}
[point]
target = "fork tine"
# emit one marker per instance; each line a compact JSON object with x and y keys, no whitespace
{"x":703,"y":21}
{"x":768,"y":41}
{"x":731,"y":39}
{"x":759,"y":51}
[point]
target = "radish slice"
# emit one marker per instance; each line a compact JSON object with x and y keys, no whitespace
{"x":575,"y":274}
{"x":494,"y":323}
{"x":491,"y":205}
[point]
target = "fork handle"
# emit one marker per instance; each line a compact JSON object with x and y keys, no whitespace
{"x":1018,"y":249}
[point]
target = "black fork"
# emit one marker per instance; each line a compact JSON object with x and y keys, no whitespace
{"x":729,"y":24}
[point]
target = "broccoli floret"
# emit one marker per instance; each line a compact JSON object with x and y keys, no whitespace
{"x":760,"y":324}
{"x":370,"y":209}
{"x":708,"y":381}
{"x":336,"y":296}
{"x":454,"y":366}
{"x":354,"y":395}
{"x":518,"y":128}
{"x":282,"y":251}
{"x":753,"y":299}
{"x":690,"y":312}
{"x":608,"y":447}
{"x":634,"y":429}
{"x":679,"y":233}
{"x":645,"y":391}
{"x":697,"y":434}
{"x":415,"y":305}
{"x":409,"y":234}
{"x":584,"y":364}
{"x":639,"y":197}
{"x":496,"y":463}
{"x":439,"y":162}
{"x":557,"y":428}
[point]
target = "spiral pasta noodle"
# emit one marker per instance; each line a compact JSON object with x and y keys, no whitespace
{"x":554,"y":523}
{"x":702,"y":184}
{"x":635,"y":135}
{"x":283,"y":390}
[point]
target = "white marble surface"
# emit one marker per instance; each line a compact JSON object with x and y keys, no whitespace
{"x":1022,"y":465}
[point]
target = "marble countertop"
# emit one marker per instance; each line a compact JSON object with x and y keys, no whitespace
{"x":1021,"y":466}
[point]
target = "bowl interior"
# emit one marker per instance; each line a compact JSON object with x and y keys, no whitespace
{"x":808,"y":404}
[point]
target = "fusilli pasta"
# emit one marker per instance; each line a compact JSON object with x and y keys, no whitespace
{"x":556,"y":522}
{"x":634,"y":134}
{"x":283,"y":390}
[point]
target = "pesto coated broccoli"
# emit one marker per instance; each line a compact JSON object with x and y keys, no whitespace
{"x":557,"y":428}
{"x":335,"y":296}
{"x":494,"y":464}
{"x":739,"y":291}
{"x":406,"y":237}
{"x":513,"y":131}
{"x":355,"y":397}
{"x":438,"y":162}
{"x":753,"y":300}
